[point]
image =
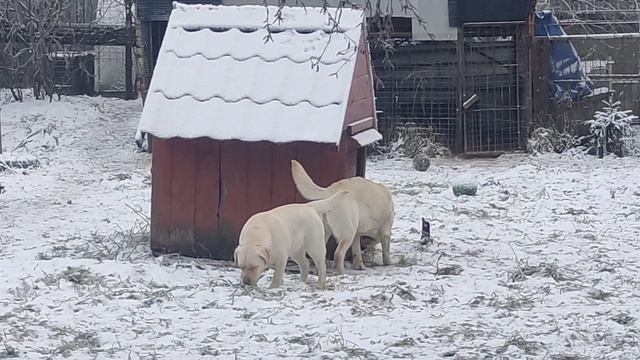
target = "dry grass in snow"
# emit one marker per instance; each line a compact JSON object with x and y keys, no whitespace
{"x":542,"y":264}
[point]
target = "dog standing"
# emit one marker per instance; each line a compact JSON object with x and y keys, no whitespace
{"x":368,"y":212}
{"x":268,"y":239}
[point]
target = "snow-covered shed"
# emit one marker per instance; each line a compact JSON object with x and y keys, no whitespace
{"x":232,"y":101}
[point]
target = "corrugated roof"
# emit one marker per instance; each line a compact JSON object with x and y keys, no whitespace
{"x":218,"y":77}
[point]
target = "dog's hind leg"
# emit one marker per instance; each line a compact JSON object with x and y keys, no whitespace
{"x":385,"y":241}
{"x":278,"y":273}
{"x":343,"y":224}
{"x":303,"y":263}
{"x":356,"y":254}
{"x":338,"y":258}
{"x":318,"y":255}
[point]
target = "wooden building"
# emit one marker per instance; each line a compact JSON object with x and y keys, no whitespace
{"x":231,"y":103}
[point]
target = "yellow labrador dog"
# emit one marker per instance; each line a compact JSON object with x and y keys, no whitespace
{"x":372,"y":214}
{"x":268,"y":239}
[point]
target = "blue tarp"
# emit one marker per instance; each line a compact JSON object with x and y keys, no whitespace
{"x":568,"y":80}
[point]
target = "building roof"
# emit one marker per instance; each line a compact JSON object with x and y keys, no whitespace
{"x":221,"y":74}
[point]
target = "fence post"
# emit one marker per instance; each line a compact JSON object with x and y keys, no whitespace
{"x":0,"y":130}
{"x":459,"y":137}
{"x":128,"y":52}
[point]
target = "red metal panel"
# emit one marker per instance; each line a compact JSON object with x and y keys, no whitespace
{"x":360,"y":88}
{"x":359,"y":110}
{"x":161,"y":196}
{"x":361,"y":97}
{"x":360,"y":126}
{"x":367,"y":55}
{"x":283,"y":190}
{"x":259,"y":178}
{"x":310,"y":155}
{"x":234,"y":197}
{"x":331,"y":161}
{"x":361,"y":68}
{"x":183,"y":195}
{"x":207,"y":197}
{"x":348,"y":157}
{"x":351,"y":164}
{"x":361,"y":162}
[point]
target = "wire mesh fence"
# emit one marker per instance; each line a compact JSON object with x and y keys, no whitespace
{"x":494,"y":76}
{"x":417,"y":86}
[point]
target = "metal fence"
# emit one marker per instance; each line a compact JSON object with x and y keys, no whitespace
{"x":416,"y":87}
{"x":494,"y":87}
{"x":428,"y":84}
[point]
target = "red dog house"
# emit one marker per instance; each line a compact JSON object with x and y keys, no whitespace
{"x":231,"y":103}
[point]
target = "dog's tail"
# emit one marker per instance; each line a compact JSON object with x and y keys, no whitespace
{"x":307,"y":188}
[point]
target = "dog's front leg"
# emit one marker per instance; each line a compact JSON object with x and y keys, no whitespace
{"x":356,"y":253}
{"x":278,"y":273}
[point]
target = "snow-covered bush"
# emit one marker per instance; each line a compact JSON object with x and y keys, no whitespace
{"x":411,"y":140}
{"x":416,"y":139}
{"x":610,"y":130}
{"x":545,"y":140}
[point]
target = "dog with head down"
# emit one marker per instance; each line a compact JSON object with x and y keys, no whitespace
{"x":268,"y":239}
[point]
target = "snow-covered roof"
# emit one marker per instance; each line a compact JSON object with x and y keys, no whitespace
{"x":221,"y":74}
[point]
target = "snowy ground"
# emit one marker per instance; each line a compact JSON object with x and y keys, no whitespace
{"x":548,"y":253}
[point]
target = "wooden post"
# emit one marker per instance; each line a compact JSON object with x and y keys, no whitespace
{"x":129,"y":52}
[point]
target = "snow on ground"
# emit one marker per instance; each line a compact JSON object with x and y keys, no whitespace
{"x":547,"y":250}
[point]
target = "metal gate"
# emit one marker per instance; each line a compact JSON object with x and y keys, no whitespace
{"x":493,"y":60}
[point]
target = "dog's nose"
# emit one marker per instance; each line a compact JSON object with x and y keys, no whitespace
{"x":246,"y":280}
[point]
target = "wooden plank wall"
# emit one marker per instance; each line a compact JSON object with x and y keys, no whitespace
{"x":185,"y":196}
{"x":207,"y":198}
{"x":204,"y":190}
{"x":161,"y":173}
{"x":361,"y":98}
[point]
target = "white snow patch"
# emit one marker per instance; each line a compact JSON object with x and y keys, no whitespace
{"x":367,"y":137}
{"x":548,"y":250}
{"x":256,"y":16}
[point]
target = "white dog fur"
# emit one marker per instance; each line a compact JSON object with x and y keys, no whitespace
{"x":268,"y":239}
{"x":372,"y":212}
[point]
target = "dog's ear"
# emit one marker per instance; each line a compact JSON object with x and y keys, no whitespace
{"x":265,"y":255}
